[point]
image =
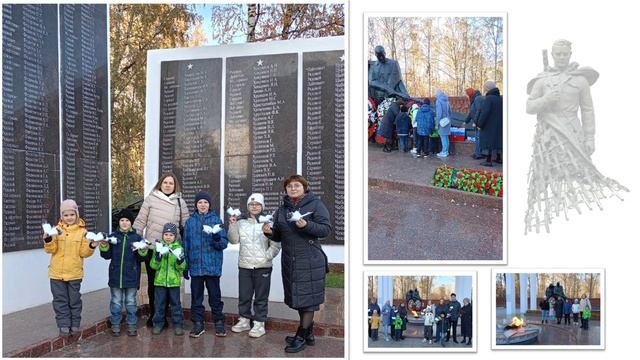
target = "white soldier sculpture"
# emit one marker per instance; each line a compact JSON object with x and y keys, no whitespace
{"x":562,"y":175}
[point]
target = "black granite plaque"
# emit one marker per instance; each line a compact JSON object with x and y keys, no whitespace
{"x":190,"y":123}
{"x":260,"y":127}
{"x":30,"y":135}
{"x":323,"y":132}
{"x":85,"y":117}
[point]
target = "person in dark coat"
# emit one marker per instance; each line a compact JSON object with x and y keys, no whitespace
{"x":304,"y":264}
{"x":544,"y":310}
{"x":124,"y":272}
{"x":386,"y":127}
{"x":403,"y":124}
{"x":466,"y":326}
{"x":454,"y":314}
{"x":402,"y":311}
{"x":475,"y":104}
{"x":559,"y":309}
{"x":490,"y":123}
{"x":425,"y":126}
{"x":443,"y":322}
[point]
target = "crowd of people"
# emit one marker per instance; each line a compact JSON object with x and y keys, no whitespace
{"x":423,"y":128}
{"x":441,"y":319}
{"x":555,"y":307}
{"x":174,"y":243}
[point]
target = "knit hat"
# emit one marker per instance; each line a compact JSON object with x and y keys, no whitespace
{"x":470,"y":92}
{"x":256,"y":197}
{"x":125,"y":213}
{"x":489,"y":85}
{"x":170,"y":228}
{"x":69,"y":205}
{"x":203,"y":195}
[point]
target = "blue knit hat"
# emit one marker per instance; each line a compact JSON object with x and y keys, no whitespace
{"x":170,"y":228}
{"x":203,"y":195}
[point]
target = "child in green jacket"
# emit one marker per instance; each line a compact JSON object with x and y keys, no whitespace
{"x":397,"y":325}
{"x":169,"y":262}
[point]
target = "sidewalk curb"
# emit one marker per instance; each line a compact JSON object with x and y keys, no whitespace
{"x":447,"y":194}
{"x":44,"y":347}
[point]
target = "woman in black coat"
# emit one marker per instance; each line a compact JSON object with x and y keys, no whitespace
{"x":304,"y":264}
{"x":466,"y":313}
{"x":387,"y":125}
{"x":490,"y":122}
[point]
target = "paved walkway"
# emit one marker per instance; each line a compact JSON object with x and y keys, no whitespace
{"x":413,"y":339}
{"x":36,"y":326}
{"x":208,"y":345}
{"x":409,"y":219}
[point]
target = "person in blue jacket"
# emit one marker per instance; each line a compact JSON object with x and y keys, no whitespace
{"x":425,"y":126}
{"x":124,"y":272}
{"x":203,"y":245}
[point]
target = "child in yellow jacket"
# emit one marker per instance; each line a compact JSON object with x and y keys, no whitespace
{"x":68,"y":250}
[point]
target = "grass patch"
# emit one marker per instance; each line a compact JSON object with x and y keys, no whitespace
{"x":334,"y":280}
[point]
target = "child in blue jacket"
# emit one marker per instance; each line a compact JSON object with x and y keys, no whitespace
{"x":204,"y":241}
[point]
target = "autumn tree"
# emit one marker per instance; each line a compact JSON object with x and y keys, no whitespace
{"x":135,"y":29}
{"x":263,"y":22}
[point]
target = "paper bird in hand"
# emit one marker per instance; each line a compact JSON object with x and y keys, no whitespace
{"x":51,"y":230}
{"x":139,"y":245}
{"x":212,"y":230}
{"x":263,"y":219}
{"x":233,"y":212}
{"x":178,"y":253}
{"x":112,"y":239}
{"x":295,"y":216}
{"x":95,"y":237}
{"x":161,"y":248}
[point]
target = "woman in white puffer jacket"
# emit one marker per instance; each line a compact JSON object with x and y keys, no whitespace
{"x":254,"y":267}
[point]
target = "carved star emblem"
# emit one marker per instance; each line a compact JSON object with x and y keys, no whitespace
{"x":260,"y":62}
{"x":190,"y":66}
{"x":342,"y":57}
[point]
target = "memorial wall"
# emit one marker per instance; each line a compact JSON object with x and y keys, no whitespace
{"x":238,"y":119}
{"x":54,"y":118}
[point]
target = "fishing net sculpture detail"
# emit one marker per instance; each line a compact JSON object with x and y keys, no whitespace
{"x":562,"y":176}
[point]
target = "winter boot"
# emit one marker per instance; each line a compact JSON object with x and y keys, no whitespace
{"x":241,"y":325}
{"x":197,"y":330}
{"x":469,"y":342}
{"x":309,"y":339}
{"x":298,"y":342}
{"x":258,"y":329}
{"x":178,"y":330}
{"x":115,"y":330}
{"x":220,"y":331}
{"x":132,"y":330}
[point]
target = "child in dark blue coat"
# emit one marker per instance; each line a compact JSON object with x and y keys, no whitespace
{"x":124,"y":272}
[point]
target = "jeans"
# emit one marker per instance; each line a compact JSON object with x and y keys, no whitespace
{"x":402,"y":142}
{"x":129,"y":297}
{"x":545,"y":315}
{"x":477,"y":150}
{"x":162,"y":296}
{"x":67,"y":303}
{"x":197,"y":297}
{"x":445,"y":144}
{"x":385,"y":330}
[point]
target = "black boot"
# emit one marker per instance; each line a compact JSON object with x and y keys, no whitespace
{"x":309,"y":338}
{"x":469,"y":342}
{"x":298,"y":342}
{"x":463,"y":340}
